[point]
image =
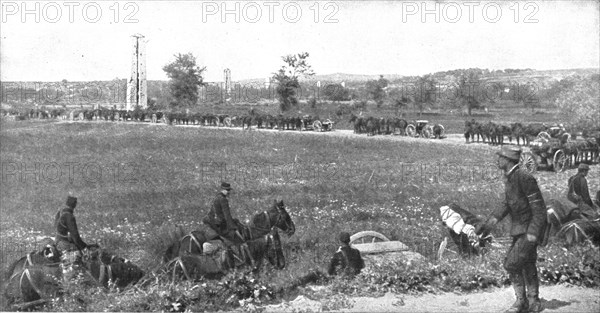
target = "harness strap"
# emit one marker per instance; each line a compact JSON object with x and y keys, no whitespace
{"x":28,"y":261}
{"x":31,"y":282}
{"x":102,"y":269}
{"x":185,"y":272}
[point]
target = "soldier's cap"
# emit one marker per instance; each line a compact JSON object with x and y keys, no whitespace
{"x":511,"y":153}
{"x":583,"y":167}
{"x":226,"y":186}
{"x":71,"y":201}
{"x":345,"y":237}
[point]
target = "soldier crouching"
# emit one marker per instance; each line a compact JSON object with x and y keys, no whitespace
{"x":68,"y":241}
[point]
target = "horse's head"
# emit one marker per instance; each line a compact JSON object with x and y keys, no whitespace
{"x":283,"y":220}
{"x":274,"y":249}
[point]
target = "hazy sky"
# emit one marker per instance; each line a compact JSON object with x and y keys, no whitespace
{"x":72,"y":41}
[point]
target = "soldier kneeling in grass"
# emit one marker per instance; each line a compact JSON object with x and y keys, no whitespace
{"x":346,"y":261}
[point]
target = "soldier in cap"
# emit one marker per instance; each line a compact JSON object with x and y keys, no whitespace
{"x":579,"y":194}
{"x":68,"y":241}
{"x":526,"y":207}
{"x":220,"y":220}
{"x":346,"y":260}
{"x":219,"y":217}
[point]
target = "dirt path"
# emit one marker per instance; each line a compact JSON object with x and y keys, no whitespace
{"x":554,"y":298}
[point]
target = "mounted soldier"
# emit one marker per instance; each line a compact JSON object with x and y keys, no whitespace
{"x":346,"y":260}
{"x":68,"y":240}
{"x":219,"y":219}
{"x":579,"y":194}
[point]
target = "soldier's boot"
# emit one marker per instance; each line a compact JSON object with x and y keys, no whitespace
{"x":533,"y":288}
{"x":521,"y":305}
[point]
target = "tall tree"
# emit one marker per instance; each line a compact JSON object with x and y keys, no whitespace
{"x":578,"y":104}
{"x":376,"y":89}
{"x":468,"y":84}
{"x":287,"y":79}
{"x":186,"y":77}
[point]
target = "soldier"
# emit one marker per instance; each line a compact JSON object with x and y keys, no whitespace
{"x":219,"y":218}
{"x":524,"y":202}
{"x":579,"y":194}
{"x":68,"y":241}
{"x":346,"y":260}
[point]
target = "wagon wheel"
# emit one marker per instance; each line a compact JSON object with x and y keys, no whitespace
{"x":227,"y":121}
{"x":367,"y":236}
{"x":426,"y":132}
{"x":560,"y":161}
{"x":411,"y":130}
{"x":442,"y":132}
{"x":528,"y":162}
{"x":544,"y":136}
{"x":317,"y":125}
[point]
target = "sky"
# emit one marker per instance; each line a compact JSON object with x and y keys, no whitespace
{"x":91,"y":40}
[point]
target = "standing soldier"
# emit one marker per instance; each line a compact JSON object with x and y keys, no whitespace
{"x":346,"y":259}
{"x":68,"y":241}
{"x":579,"y":194}
{"x":524,"y":202}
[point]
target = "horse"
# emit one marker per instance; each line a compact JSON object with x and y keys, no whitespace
{"x":38,"y":275}
{"x":259,"y":225}
{"x":359,"y":124}
{"x":566,"y":221}
{"x":219,"y":263}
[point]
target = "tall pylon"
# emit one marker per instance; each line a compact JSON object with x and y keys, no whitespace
{"x":137,"y":86}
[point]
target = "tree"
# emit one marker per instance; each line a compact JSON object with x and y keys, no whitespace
{"x":185,"y":77}
{"x":376,"y":89}
{"x":425,"y":92}
{"x":287,"y":79}
{"x":468,"y":83}
{"x":336,"y":92}
{"x":579,"y":103}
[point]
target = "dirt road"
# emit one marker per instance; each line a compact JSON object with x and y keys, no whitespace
{"x":557,"y":298}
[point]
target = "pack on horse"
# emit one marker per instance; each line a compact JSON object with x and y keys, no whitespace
{"x":464,"y":228}
{"x":217,"y":263}
{"x":38,"y":275}
{"x":260,"y":224}
{"x":565,"y":220}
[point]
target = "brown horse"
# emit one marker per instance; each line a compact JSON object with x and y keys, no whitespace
{"x":38,"y":275}
{"x":219,"y":263}
{"x":566,"y":221}
{"x":259,"y":225}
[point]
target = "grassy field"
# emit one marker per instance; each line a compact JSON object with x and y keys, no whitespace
{"x":135,"y":183}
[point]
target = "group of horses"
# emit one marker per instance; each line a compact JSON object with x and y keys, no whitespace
{"x":391,"y":126}
{"x":246,"y":121}
{"x":495,"y":133}
{"x":37,"y":277}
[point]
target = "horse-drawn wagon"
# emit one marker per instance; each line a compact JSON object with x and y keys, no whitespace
{"x":422,"y":128}
{"x":560,"y":154}
{"x":310,"y":123}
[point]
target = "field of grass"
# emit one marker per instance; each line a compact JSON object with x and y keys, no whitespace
{"x":135,"y":183}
